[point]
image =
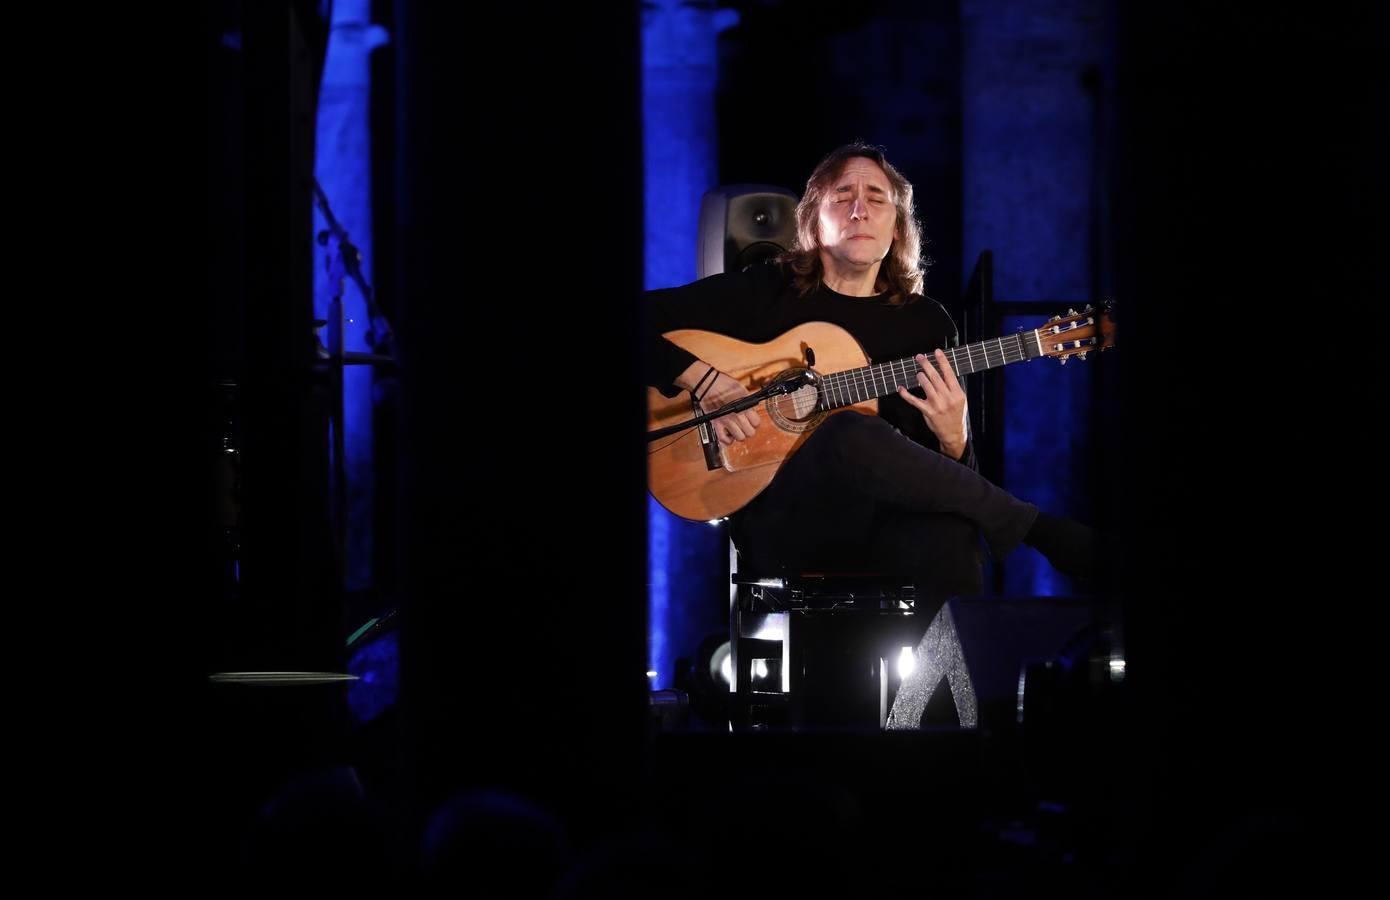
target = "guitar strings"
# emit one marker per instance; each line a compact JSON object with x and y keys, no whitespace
{"x":842,"y":388}
{"x":844,"y":384}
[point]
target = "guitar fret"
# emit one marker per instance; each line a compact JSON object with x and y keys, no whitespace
{"x":880,"y":380}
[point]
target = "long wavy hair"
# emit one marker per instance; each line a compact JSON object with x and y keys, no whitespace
{"x":903,"y":272}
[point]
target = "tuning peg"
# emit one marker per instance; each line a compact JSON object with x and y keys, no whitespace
{"x":1072,"y":312}
{"x":1083,"y":353}
{"x":1055,"y":319}
{"x":1064,"y":360}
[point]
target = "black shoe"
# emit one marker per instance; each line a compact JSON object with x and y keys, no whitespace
{"x":1071,"y":547}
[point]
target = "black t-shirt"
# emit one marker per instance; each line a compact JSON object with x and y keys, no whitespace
{"x":761,"y":303}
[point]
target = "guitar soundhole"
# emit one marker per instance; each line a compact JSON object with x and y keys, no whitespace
{"x":795,"y":412}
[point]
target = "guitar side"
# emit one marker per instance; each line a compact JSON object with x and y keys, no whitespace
{"x":679,"y":475}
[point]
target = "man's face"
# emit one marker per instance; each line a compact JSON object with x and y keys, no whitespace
{"x":858,"y":220}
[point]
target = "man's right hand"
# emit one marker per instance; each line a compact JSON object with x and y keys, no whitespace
{"x":735,"y":426}
{"x":723,"y":391}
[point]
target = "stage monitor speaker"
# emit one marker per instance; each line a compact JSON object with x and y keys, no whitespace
{"x":744,"y":224}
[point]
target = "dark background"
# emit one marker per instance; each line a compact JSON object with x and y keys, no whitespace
{"x":1247,"y":184}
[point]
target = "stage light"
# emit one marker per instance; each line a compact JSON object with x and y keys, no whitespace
{"x":907,"y":663}
{"x":705,"y":677}
{"x":720,"y":665}
{"x":375,"y":660}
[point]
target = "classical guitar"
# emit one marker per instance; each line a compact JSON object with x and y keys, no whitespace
{"x":812,"y":371}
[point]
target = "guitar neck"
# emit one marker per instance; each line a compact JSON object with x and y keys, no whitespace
{"x":880,"y":380}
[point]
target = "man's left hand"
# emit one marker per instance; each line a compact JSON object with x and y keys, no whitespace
{"x":943,"y":404}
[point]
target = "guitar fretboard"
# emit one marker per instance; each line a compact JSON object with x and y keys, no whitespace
{"x":880,"y":380}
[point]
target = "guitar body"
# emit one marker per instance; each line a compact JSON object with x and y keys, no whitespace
{"x":694,"y":477}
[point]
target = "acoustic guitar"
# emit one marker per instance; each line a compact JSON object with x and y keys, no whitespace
{"x":810,"y":372}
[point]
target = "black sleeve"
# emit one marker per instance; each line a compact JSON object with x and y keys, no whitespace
{"x":968,"y":458}
{"x":730,"y":303}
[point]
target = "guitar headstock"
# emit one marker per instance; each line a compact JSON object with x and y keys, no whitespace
{"x":1078,"y":333}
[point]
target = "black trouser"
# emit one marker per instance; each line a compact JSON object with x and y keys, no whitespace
{"x":858,"y":497}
